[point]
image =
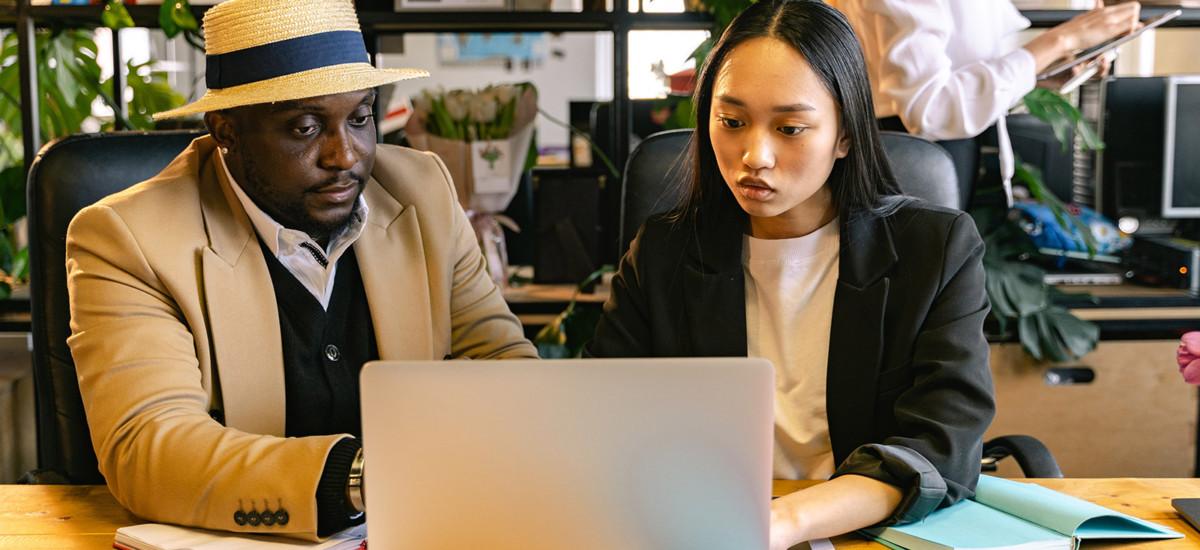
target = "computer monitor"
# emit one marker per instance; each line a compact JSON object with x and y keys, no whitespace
{"x":1148,"y":174}
{"x":1181,"y":148}
{"x":1035,"y":144}
{"x":1129,"y":168}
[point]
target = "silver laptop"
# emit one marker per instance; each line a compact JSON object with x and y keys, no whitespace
{"x":612,"y":454}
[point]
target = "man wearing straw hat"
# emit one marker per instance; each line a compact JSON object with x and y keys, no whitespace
{"x":221,"y":310}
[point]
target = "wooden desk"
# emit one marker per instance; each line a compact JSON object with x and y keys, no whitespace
{"x":60,"y":517}
{"x":85,"y":517}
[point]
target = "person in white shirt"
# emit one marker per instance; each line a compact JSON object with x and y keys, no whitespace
{"x":949,"y":70}
{"x":793,"y":244}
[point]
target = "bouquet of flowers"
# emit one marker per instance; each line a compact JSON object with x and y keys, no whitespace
{"x":484,"y":137}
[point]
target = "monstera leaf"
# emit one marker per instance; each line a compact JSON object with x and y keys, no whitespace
{"x":1016,"y":288}
{"x":68,"y":78}
{"x":175,"y":16}
{"x":1020,"y":298}
{"x":115,"y":16}
{"x":151,"y":94}
{"x":1054,"y":334}
{"x":1063,"y":116}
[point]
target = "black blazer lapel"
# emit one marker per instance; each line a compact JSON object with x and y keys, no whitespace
{"x":714,"y":288}
{"x":856,"y":335}
{"x":716,"y":313}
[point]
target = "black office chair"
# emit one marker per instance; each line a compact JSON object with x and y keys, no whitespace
{"x":67,"y":175}
{"x":923,"y":169}
{"x":655,"y":179}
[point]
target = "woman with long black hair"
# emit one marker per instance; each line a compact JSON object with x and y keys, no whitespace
{"x":794,"y":244}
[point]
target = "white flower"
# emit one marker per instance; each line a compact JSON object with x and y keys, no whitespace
{"x":483,"y":108}
{"x":505,"y":93}
{"x":456,"y":104}
{"x":488,"y":93}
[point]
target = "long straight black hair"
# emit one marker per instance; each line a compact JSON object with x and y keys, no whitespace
{"x":862,"y":180}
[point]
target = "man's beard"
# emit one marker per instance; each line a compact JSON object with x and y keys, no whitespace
{"x":290,"y":211}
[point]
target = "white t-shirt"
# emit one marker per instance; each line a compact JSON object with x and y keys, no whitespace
{"x":790,"y":284}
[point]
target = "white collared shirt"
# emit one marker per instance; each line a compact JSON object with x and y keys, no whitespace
{"x":315,"y":267}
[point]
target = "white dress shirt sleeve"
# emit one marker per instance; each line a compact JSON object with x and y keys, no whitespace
{"x":916,"y":73}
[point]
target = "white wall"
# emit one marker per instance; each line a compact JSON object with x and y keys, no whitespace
{"x":573,"y":76}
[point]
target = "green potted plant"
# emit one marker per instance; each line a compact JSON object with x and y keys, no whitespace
{"x":1022,"y":303}
{"x":566,"y":335}
{"x":69,"y":82}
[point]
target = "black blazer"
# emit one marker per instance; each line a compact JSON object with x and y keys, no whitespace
{"x":909,"y":393}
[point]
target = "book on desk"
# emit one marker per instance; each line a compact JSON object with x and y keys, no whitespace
{"x":157,"y":536}
{"x":1011,"y":514}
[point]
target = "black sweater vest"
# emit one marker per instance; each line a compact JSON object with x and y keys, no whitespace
{"x":323,"y":350}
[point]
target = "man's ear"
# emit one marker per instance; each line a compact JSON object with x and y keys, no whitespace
{"x":222,"y":128}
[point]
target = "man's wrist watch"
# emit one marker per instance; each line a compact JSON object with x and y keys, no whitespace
{"x":354,"y":485}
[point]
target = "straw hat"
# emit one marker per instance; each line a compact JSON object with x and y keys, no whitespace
{"x":263,"y":51}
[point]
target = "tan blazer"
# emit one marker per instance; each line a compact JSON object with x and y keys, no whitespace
{"x":173,"y":315}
